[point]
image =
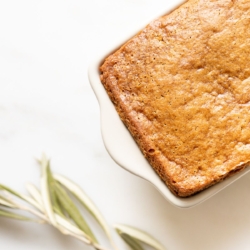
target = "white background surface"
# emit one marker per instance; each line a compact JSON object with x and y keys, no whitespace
{"x":47,"y":105}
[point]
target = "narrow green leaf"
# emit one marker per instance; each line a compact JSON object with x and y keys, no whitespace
{"x":6,"y":203}
{"x":35,"y":193}
{"x":59,"y":212}
{"x":68,"y":225}
{"x":3,"y":187}
{"x":45,"y":190}
{"x":80,"y":195}
{"x":20,"y":196}
{"x":139,"y":235}
{"x":70,"y":228}
{"x":134,"y":244}
{"x":73,"y":211}
{"x":10,"y":215}
{"x":52,"y":189}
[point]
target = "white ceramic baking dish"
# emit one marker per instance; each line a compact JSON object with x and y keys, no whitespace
{"x":125,"y":152}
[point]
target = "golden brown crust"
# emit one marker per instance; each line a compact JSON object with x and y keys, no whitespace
{"x":182,"y":87}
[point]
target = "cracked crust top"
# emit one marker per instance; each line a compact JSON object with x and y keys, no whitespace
{"x":182,"y":87}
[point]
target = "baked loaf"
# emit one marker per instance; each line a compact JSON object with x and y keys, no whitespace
{"x":182,"y":87}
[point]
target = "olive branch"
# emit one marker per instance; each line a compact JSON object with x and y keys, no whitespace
{"x":54,"y":204}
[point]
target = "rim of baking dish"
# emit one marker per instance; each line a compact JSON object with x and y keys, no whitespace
{"x":123,"y":149}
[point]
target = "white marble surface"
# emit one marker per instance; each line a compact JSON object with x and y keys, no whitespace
{"x":47,"y":105}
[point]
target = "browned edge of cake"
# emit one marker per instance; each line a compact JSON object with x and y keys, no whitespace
{"x":153,"y":157}
{"x":146,"y":148}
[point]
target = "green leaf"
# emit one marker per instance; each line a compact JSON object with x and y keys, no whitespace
{"x":6,"y":203}
{"x":138,"y":235}
{"x":45,"y":192}
{"x":68,"y":225}
{"x":79,"y":234}
{"x":80,"y":195}
{"x":35,"y":193}
{"x":52,"y":189}
{"x":20,"y":196}
{"x":10,"y":215}
{"x":133,"y":243}
{"x":73,"y":211}
{"x":3,"y":187}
